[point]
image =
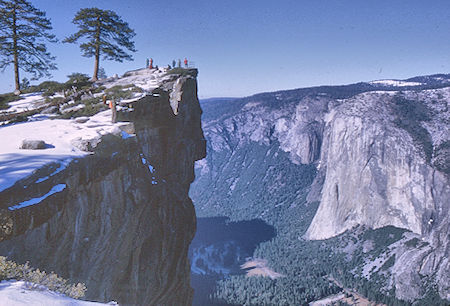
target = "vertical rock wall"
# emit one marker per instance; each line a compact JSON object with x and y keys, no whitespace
{"x":124,"y":223}
{"x":379,"y":160}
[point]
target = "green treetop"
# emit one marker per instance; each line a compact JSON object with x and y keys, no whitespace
{"x":23,"y":31}
{"x":104,"y":33}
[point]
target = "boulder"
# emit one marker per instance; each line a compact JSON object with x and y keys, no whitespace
{"x":81,"y":119}
{"x":30,"y":144}
{"x":86,"y":145}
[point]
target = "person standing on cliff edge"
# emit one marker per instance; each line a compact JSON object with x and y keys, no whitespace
{"x":112,"y":106}
{"x":185,"y":62}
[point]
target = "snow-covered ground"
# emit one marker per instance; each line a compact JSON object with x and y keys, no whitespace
{"x":396,"y":83}
{"x":147,"y":79}
{"x":62,"y":136}
{"x":17,"y":293}
{"x":28,"y":102}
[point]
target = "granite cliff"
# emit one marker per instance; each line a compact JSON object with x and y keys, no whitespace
{"x":122,"y":221}
{"x":361,"y":156}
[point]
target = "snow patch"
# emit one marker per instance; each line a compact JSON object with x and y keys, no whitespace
{"x":18,"y":293}
{"x":63,"y":165}
{"x":147,"y":79}
{"x":150,"y":168}
{"x":16,"y":164}
{"x":34,"y":201}
{"x":28,"y":102}
{"x":396,"y":83}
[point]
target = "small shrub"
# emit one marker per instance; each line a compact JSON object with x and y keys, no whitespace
{"x":98,"y":89}
{"x":6,"y":98}
{"x":30,"y":89}
{"x":11,"y":270}
{"x":55,"y":101}
{"x":19,"y":118}
{"x":77,"y":77}
{"x":102,"y":73}
{"x":49,"y":88}
{"x":79,"y":81}
{"x":120,"y":92}
{"x":25,"y":84}
{"x":92,"y":107}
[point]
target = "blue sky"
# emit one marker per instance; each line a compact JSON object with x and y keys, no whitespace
{"x":242,"y":47}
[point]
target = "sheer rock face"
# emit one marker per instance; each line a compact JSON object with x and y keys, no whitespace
{"x":124,"y":222}
{"x":379,"y":163}
{"x":376,"y":172}
{"x":381,"y":156}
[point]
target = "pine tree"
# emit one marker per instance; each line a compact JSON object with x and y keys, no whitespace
{"x":105,"y":34}
{"x":23,"y":31}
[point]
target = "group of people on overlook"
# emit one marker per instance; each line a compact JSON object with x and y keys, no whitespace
{"x":149,"y":63}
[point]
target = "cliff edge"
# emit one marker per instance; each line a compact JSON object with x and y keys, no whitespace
{"x":110,"y":207}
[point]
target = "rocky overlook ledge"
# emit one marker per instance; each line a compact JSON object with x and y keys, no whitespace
{"x":107,"y":203}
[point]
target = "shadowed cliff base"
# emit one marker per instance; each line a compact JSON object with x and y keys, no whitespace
{"x":219,"y":249}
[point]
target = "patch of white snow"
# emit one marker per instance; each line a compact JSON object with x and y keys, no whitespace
{"x":20,"y":293}
{"x":16,"y":164}
{"x":396,"y":83}
{"x":34,"y":201}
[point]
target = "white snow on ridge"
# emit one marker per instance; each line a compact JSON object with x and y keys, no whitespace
{"x":28,"y":102}
{"x":63,"y":165}
{"x":34,"y":201}
{"x":60,"y":134}
{"x":395,"y":83}
{"x":147,"y":79}
{"x":18,"y":293}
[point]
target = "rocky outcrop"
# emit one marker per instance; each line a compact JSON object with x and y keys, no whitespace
{"x":124,"y":221}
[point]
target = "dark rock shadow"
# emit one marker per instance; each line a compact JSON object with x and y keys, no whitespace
{"x":219,"y":248}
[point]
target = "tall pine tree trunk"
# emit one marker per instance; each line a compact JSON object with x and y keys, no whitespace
{"x":16,"y":55}
{"x":97,"y":51}
{"x":96,"y":64}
